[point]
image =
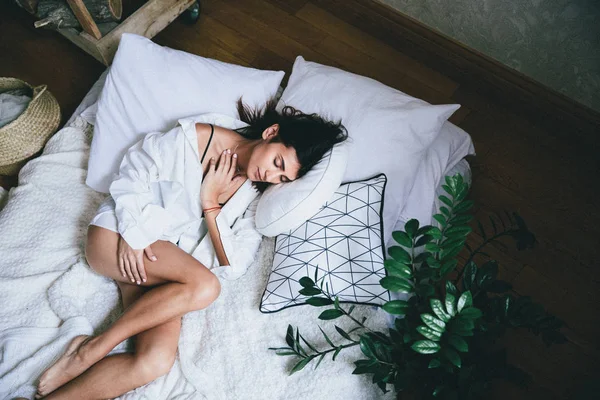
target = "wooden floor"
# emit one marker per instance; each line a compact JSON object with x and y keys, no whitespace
{"x":550,"y":176}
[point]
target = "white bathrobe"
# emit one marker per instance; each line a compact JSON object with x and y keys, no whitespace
{"x":157,"y":197}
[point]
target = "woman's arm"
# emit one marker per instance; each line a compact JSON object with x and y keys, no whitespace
{"x":215,"y":236}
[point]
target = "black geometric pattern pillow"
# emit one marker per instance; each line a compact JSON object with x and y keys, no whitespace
{"x":343,"y":240}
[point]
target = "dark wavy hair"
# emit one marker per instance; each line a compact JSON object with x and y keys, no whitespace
{"x":309,"y":134}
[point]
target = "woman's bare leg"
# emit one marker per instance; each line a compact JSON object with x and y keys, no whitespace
{"x":184,"y":285}
{"x":155,"y":351}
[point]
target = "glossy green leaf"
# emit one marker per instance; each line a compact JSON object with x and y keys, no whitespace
{"x":429,"y":333}
{"x":433,"y":263}
{"x":464,"y":322}
{"x":452,"y":356}
{"x":432,"y":247}
{"x":446,"y":201}
{"x":441,"y":219}
{"x":438,"y":309}
{"x":309,"y":291}
{"x":285,"y":353}
{"x":367,"y":347}
{"x":306,"y":282}
{"x":330,"y":314}
{"x":399,"y":254}
{"x":342,"y":333}
{"x":319,"y":301}
{"x":447,"y":189}
{"x":458,"y":343}
{"x":463,"y":206}
{"x":289,"y":337}
{"x":461,"y":219}
{"x":397,"y":307}
{"x":423,"y":240}
{"x":425,"y":347}
{"x":411,"y":228}
{"x":397,"y":269}
{"x":396,"y":284}
{"x":462,"y":230}
{"x":402,"y":238}
{"x":450,"y":253}
{"x":435,"y":232}
{"x":471,"y":312}
{"x":434,"y":323}
{"x":450,"y":303}
{"x":450,"y":288}
{"x":445,"y":211}
{"x":301,"y":365}
{"x":434,"y":363}
{"x":336,"y":303}
{"x":448,"y":266}
{"x":465,"y":300}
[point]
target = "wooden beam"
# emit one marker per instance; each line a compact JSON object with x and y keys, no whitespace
{"x":84,"y":18}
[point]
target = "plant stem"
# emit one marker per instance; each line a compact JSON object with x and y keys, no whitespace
{"x":477,"y":250}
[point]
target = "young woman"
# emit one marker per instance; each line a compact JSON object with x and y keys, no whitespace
{"x":141,"y":237}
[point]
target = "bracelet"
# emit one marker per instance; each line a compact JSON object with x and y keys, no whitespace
{"x":211,"y":209}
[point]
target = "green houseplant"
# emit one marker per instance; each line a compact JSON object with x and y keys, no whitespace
{"x":444,"y":340}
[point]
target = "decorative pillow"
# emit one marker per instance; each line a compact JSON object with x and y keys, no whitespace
{"x":343,"y":241}
{"x":149,"y":87}
{"x":451,"y":146}
{"x":389,"y":132}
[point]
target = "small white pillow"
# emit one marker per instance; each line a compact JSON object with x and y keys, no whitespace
{"x":451,"y":146}
{"x":389,"y":133}
{"x":149,"y":87}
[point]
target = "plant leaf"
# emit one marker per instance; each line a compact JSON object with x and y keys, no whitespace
{"x":411,"y":228}
{"x":319,"y":301}
{"x":402,"y":238}
{"x":306,"y":282}
{"x":335,"y":353}
{"x":438,"y":309}
{"x":429,"y":333}
{"x":450,"y":304}
{"x":432,"y":247}
{"x":446,"y":201}
{"x":330,"y":314}
{"x":367,"y":347}
{"x":399,"y":254}
{"x":452,"y":356}
{"x":289,"y":337}
{"x":301,"y":365}
{"x":469,"y":275}
{"x":397,"y":307}
{"x":423,"y":240}
{"x":458,"y":343}
{"x":343,"y":333}
{"x":487,"y":274}
{"x":434,"y":363}
{"x":398,"y":269}
{"x":445,"y":211}
{"x":396,"y":284}
{"x":450,"y":288}
{"x":320,"y":359}
{"x":465,"y":300}
{"x":327,"y":338}
{"x":433,"y":322}
{"x":425,"y":347}
{"x":471,"y":312}
{"x":435,"y":232}
{"x":309,"y":291}
{"x":441,"y":219}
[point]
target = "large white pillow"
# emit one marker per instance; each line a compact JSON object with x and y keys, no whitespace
{"x":149,"y":87}
{"x":389,"y":133}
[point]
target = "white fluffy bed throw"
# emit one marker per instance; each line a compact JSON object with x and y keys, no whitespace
{"x":49,"y":295}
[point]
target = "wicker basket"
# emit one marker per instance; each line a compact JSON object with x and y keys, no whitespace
{"x":21,"y":139}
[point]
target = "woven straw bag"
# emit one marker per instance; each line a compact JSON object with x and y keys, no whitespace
{"x":21,"y":139}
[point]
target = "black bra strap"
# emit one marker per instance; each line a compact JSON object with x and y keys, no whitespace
{"x":212,"y":130}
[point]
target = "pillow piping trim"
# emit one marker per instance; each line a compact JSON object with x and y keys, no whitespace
{"x":382,"y":250}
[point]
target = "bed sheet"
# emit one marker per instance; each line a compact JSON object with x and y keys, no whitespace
{"x":49,"y":295}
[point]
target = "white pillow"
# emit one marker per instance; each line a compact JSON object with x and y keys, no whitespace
{"x":451,"y":146}
{"x":149,"y":87}
{"x":389,"y":133}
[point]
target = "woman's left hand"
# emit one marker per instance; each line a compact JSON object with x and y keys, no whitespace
{"x":219,"y":179}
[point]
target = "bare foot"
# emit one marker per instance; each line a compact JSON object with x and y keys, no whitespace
{"x":70,"y":365}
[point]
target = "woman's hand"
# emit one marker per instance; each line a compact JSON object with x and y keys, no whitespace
{"x":131,"y":261}
{"x":219,"y":179}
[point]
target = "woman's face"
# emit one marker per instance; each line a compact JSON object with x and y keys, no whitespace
{"x":272,"y":162}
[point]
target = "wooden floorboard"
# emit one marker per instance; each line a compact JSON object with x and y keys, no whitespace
{"x":547,"y":174}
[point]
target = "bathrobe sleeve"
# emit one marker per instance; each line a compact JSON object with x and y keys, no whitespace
{"x":240,"y":242}
{"x":140,"y":220}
